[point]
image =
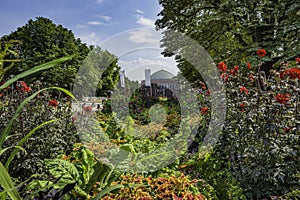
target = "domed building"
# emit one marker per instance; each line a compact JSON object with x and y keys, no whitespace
{"x":160,"y":84}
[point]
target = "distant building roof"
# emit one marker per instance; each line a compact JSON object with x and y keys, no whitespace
{"x":162,"y":74}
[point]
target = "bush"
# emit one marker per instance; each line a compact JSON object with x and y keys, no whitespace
{"x":261,"y":134}
{"x":45,"y":143}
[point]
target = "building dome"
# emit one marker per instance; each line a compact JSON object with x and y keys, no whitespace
{"x":161,"y":74}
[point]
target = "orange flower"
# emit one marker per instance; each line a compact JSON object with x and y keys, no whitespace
{"x":261,"y":52}
{"x":293,"y":73}
{"x":282,"y":98}
{"x":244,"y":89}
{"x":22,"y":86}
{"x":204,"y":110}
{"x":222,"y":66}
{"x":53,"y":103}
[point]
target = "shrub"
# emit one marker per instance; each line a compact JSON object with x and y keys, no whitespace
{"x":45,"y":143}
{"x":261,"y":134}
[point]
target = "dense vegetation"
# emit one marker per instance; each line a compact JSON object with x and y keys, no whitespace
{"x":44,"y":156}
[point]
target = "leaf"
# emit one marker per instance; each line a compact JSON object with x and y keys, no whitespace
{"x":67,"y":170}
{"x":18,"y":147}
{"x":7,"y":184}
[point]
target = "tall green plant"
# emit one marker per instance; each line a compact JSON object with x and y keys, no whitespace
{"x":5,"y":179}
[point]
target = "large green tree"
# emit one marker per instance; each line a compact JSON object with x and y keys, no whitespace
{"x":233,"y":31}
{"x":98,"y":75}
{"x":43,"y":41}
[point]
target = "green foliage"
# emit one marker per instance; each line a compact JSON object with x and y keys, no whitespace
{"x":293,"y":195}
{"x":93,"y":179}
{"x":217,"y":180}
{"x":5,"y":53}
{"x":43,"y":41}
{"x":233,"y":30}
{"x":164,"y":187}
{"x":44,"y":142}
{"x":261,"y":133}
{"x":8,"y":185}
{"x":98,"y":75}
{"x":5,"y":178}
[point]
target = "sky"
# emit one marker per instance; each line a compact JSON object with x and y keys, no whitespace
{"x":123,"y":27}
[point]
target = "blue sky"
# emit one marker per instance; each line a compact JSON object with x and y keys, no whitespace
{"x":124,"y":27}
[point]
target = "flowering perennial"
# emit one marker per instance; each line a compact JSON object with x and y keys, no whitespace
{"x":222,"y":66}
{"x":261,"y":52}
{"x":53,"y":103}
{"x":282,"y":98}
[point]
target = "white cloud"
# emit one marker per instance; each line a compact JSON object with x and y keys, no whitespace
{"x":80,"y":26}
{"x":94,"y":23}
{"x":106,"y":18}
{"x":143,"y":36}
{"x":99,"y":1}
{"x":90,"y":39}
{"x":145,"y":22}
{"x":139,"y":11}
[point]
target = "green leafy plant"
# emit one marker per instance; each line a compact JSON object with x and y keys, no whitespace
{"x":5,"y":179}
{"x":163,"y":187}
{"x":92,"y":179}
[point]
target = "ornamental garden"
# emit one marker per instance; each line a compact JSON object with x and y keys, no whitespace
{"x":46,"y":150}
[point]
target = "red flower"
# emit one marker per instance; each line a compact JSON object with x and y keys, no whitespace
{"x":248,"y":65}
{"x":287,"y":129}
{"x":53,"y":103}
{"x":282,"y":98}
{"x":222,"y":66}
{"x":261,"y":52}
{"x":224,"y":76}
{"x":242,"y":106}
{"x":204,"y":110}
{"x":207,"y":93}
{"x":293,"y":73}
{"x":87,"y":109}
{"x":297,"y":60}
{"x":232,"y":72}
{"x":22,"y":86}
{"x":244,"y":89}
{"x":251,"y":77}
{"x":74,"y":118}
{"x":236,"y":68}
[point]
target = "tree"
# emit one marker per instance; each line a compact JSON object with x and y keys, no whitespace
{"x":98,"y":75}
{"x":44,"y":41}
{"x":233,"y":31}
